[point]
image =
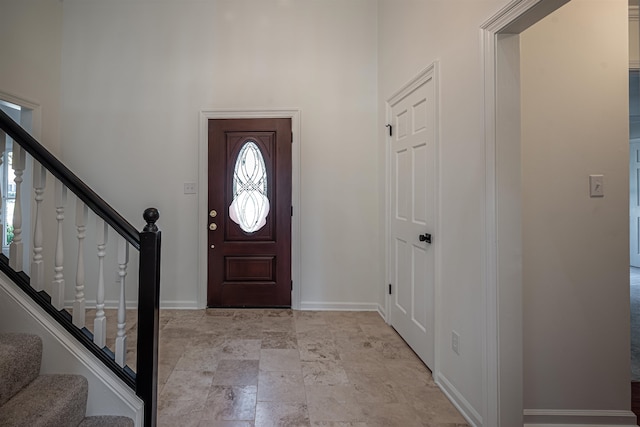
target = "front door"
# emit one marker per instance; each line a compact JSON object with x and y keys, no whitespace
{"x":412,"y":216}
{"x":249,"y":259}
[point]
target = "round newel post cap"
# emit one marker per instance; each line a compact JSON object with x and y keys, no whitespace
{"x":151,"y":215}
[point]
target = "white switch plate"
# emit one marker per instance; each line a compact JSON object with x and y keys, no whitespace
{"x":189,"y":188}
{"x":596,"y":185}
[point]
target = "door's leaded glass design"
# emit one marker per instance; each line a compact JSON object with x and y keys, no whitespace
{"x":250,"y":205}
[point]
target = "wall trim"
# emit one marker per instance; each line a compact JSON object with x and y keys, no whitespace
{"x":634,"y":16}
{"x":97,"y":371}
{"x":578,"y":417}
{"x":295,"y":115}
{"x":578,"y":425}
{"x":339,"y":306}
{"x":178,"y":305}
{"x":466,"y":409}
{"x":498,"y":382}
{"x":164,"y":305}
{"x":35,"y":129}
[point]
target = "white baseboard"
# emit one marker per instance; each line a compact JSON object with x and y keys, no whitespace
{"x":382,"y":312}
{"x":468,"y":412}
{"x":108,"y":395}
{"x":339,"y":306}
{"x":179,"y":305}
{"x":113,"y":305}
{"x":578,"y":425}
{"x":193,"y":305}
{"x":578,"y":418}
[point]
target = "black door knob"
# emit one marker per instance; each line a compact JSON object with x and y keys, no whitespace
{"x":426,"y":237}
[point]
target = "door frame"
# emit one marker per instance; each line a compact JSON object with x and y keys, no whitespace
{"x":430,"y":72}
{"x":503,"y":334}
{"x":203,"y":189}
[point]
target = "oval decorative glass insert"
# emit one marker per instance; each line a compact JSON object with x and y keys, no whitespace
{"x":250,"y":205}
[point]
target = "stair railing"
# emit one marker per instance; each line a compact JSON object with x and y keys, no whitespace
{"x":71,"y":314}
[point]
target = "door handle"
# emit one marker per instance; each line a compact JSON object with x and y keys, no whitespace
{"x":426,"y":237}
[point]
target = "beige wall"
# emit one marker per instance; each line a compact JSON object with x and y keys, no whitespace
{"x":30,"y":43}
{"x":412,"y":35}
{"x":30,"y":66}
{"x":575,"y":248}
{"x":136,"y":75}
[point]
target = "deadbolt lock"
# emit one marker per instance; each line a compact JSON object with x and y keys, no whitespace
{"x":213,"y":214}
{"x":213,"y":226}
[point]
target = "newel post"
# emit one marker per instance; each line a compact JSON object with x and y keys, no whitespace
{"x":148,"y":316}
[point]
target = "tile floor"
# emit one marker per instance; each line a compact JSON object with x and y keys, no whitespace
{"x":258,"y":368}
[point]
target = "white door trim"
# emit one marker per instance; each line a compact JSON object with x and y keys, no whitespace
{"x":502,"y":367}
{"x":430,"y":72}
{"x":32,"y":123}
{"x":205,"y":115}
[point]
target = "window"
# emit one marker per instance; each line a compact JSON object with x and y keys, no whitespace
{"x":8,"y":194}
{"x":7,"y":180}
{"x":250,"y":205}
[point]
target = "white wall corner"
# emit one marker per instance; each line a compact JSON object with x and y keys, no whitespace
{"x":382,"y":312}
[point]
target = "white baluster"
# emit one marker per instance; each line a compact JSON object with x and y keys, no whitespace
{"x":16,"y":254}
{"x":121,"y":339}
{"x":79,"y":301}
{"x":100,"y":322}
{"x":57,"y":287}
{"x":37,"y":264}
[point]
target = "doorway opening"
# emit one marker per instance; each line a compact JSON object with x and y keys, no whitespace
{"x":503,"y":372}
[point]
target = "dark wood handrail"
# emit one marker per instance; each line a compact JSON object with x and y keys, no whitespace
{"x":70,"y":180}
{"x":147,"y":242}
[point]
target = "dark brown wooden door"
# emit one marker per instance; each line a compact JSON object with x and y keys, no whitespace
{"x":249,"y":260}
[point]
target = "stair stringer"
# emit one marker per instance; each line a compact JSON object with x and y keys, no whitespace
{"x":108,"y":395}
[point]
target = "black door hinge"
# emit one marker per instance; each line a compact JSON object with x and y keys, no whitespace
{"x":389,"y":288}
{"x":292,"y":137}
{"x":291,"y":210}
{"x":292,"y":285}
{"x":390,"y":130}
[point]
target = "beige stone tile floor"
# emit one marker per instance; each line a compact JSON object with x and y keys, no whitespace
{"x":284,"y":368}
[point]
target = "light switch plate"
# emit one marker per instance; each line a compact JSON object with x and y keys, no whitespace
{"x":189,"y":188}
{"x":596,"y":185}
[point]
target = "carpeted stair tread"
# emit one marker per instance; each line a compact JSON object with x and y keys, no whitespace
{"x":107,"y":421}
{"x":20,"y":356}
{"x":50,"y":400}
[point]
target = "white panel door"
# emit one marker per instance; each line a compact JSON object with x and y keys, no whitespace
{"x":634,"y":203}
{"x":413,"y":215}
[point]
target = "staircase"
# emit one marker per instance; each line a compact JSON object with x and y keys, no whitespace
{"x":30,"y":399}
{"x":64,"y":299}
